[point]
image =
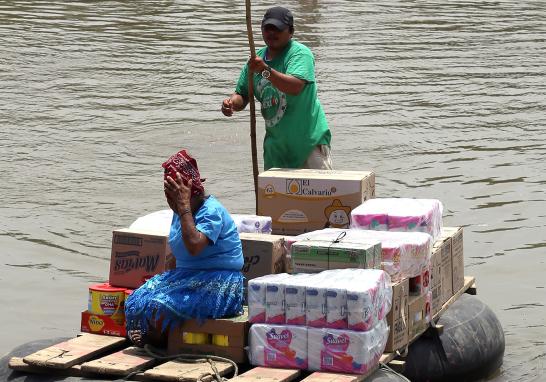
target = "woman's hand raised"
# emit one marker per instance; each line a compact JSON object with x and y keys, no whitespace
{"x":178,"y":193}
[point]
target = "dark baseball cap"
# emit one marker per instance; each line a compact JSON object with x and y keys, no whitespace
{"x":279,"y":17}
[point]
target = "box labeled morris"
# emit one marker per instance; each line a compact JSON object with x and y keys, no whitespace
{"x":138,"y":255}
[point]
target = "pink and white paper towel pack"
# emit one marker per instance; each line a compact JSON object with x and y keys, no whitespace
{"x":399,"y":214}
{"x":278,"y":346}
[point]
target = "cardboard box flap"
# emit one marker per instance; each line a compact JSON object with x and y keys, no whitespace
{"x":315,"y":174}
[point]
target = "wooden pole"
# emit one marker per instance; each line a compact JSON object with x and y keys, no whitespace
{"x":255,"y":170}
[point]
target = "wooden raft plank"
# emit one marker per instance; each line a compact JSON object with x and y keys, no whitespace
{"x":320,"y":376}
{"x":178,"y":370}
{"x":76,"y":350}
{"x":17,"y":364}
{"x":122,"y":363}
{"x":267,"y":374}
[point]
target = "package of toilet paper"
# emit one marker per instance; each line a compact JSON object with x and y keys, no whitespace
{"x":403,"y":254}
{"x":337,"y":284}
{"x":275,"y":305}
{"x":294,"y":297}
{"x":399,"y":214}
{"x":315,"y":302}
{"x":346,"y":351}
{"x":369,"y":298}
{"x":252,"y":223}
{"x":257,"y":297}
{"x":278,"y":346}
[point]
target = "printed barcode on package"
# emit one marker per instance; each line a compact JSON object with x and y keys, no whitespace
{"x":328,"y":360}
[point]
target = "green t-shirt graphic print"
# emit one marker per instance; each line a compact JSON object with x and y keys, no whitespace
{"x":294,"y":124}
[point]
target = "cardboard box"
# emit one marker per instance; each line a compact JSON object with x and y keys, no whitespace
{"x":236,"y":329}
{"x":419,"y":316}
{"x":420,"y":285}
{"x":443,"y":246}
{"x":264,"y":254}
{"x":457,"y":255}
{"x":101,"y":324}
{"x":137,"y":255}
{"x":303,"y":200}
{"x":435,"y":280}
{"x":397,"y":318}
{"x":311,"y":256}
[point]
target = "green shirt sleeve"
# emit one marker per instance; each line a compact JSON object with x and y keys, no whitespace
{"x":301,"y":64}
{"x":242,"y":83}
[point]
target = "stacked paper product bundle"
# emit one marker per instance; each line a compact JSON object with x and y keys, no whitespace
{"x":403,"y":254}
{"x":315,"y":300}
{"x":278,"y":346}
{"x":294,"y":297}
{"x":343,"y":311}
{"x":346,"y":351}
{"x":338,"y":298}
{"x":399,"y":215}
{"x":252,"y":223}
{"x":318,"y":255}
{"x":257,"y":295}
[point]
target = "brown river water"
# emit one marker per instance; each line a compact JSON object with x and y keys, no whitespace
{"x":442,"y":99}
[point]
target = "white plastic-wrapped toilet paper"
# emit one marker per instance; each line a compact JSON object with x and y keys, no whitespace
{"x":294,"y":297}
{"x":346,"y":351}
{"x":252,"y":223}
{"x":275,"y":312}
{"x":257,"y":296}
{"x":315,"y":300}
{"x":278,"y":346}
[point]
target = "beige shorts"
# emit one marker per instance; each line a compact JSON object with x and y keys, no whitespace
{"x":319,"y":158}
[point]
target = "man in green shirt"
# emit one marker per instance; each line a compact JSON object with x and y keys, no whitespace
{"x":297,"y":134}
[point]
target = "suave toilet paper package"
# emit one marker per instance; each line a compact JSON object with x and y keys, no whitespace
{"x":278,"y":346}
{"x":346,"y":351}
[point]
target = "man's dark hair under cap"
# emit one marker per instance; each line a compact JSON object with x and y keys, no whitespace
{"x":279,"y":17}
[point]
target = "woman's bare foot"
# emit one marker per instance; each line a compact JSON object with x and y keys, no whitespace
{"x":137,"y":337}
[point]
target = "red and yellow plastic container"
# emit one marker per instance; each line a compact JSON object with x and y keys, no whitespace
{"x":107,"y":300}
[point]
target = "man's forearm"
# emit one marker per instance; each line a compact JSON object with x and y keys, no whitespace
{"x":286,"y":83}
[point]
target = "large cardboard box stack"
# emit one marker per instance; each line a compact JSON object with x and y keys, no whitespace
{"x":137,"y":255}
{"x":457,"y":255}
{"x":443,"y":247}
{"x":448,"y":262}
{"x":419,"y":315}
{"x":397,"y":318}
{"x":232,"y":331}
{"x":435,"y":279}
{"x":301,"y":200}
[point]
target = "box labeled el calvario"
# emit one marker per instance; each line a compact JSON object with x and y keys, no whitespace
{"x":303,"y":200}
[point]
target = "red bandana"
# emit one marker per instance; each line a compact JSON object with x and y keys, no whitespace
{"x":187,"y":167}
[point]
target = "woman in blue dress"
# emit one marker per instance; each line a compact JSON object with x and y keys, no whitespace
{"x":207,"y":281}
